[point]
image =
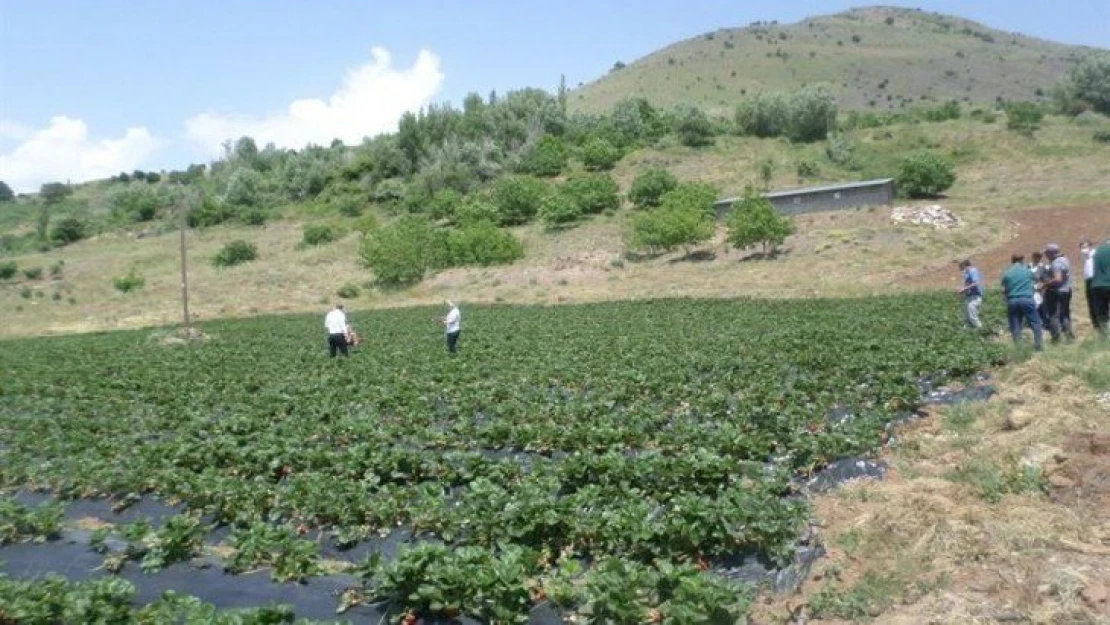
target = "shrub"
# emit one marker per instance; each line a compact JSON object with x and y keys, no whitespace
{"x":649,"y":186}
{"x":840,"y":151}
{"x":1102,"y":136}
{"x":366,"y":224}
{"x":807,"y":169}
{"x":235,"y":253}
{"x":253,"y":216}
{"x":349,"y":205}
{"x":475,"y":209}
{"x":130,"y":282}
{"x":6,"y":193}
{"x":32,"y":273}
{"x":804,"y":115}
{"x":1089,"y":81}
{"x":56,"y":269}
{"x":593,"y":193}
{"x":68,"y":230}
{"x":404,"y":252}
{"x":8,"y":269}
{"x":754,"y":220}
{"x":444,"y":203}
{"x":244,"y":188}
{"x":318,"y":234}
{"x":600,"y":155}
{"x":693,"y":128}
{"x":558,"y":209}
{"x":210,"y":212}
{"x":54,"y":192}
{"x":517,"y":199}
{"x":668,"y":227}
{"x":138,"y":202}
{"x":547,"y":158}
{"x":924,"y":175}
{"x":696,"y":196}
{"x":1023,"y":117}
{"x":26,"y":292}
{"x":944,"y":112}
{"x":348,"y":291}
{"x":483,"y":244}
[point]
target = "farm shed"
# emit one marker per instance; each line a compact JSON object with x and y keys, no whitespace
{"x":830,"y":197}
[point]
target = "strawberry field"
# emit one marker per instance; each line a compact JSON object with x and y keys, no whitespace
{"x":598,"y":460}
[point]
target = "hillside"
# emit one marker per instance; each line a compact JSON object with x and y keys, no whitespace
{"x":881,"y":57}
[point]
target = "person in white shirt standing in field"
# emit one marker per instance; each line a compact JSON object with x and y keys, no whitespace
{"x":1087,"y":255}
{"x":453,"y":325}
{"x":336,"y":323}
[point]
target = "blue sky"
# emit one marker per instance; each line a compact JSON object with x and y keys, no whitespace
{"x":90,"y":87}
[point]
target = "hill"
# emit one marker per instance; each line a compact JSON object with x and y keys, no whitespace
{"x":877,"y":57}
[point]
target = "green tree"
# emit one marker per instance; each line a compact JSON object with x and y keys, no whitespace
{"x":235,"y":253}
{"x":444,"y":203}
{"x":54,"y":192}
{"x":475,"y":209}
{"x":649,"y":186}
{"x":403,"y":252}
{"x":755,"y":220}
{"x":693,"y":127}
{"x":600,"y":155}
{"x":766,"y":172}
{"x":924,"y":175}
{"x":668,"y":227}
{"x":244,"y":188}
{"x":6,"y":193}
{"x":547,"y":158}
{"x":68,"y":230}
{"x":136,"y":202}
{"x":483,"y":244}
{"x":1089,"y":81}
{"x":517,"y":199}
{"x":1024,"y":117}
{"x":697,"y":196}
{"x":592,"y":193}
{"x":558,"y":209}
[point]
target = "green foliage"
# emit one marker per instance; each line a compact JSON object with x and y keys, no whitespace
{"x":137,"y":202}
{"x":547,"y":158}
{"x":56,"y":269}
{"x":1024,"y":117}
{"x":261,"y":544}
{"x":807,"y":169}
{"x":476,"y":209}
{"x":349,"y":205}
{"x":209,"y":212}
{"x":1102,"y":136}
{"x":668,"y":227}
{"x":649,"y":186}
{"x":559,"y":209}
{"x":402,"y":253}
{"x":924,"y":175}
{"x":766,"y":173}
{"x":68,"y":230}
{"x":444,"y":204}
{"x":840,"y":151}
{"x":235,"y":253}
{"x":599,"y":154}
{"x":54,"y":192}
{"x":349,"y":291}
{"x":244,"y":189}
{"x":318,"y":234}
{"x":754,"y":220}
{"x":1089,"y":81}
{"x":482,"y":244}
{"x":133,"y":281}
{"x":947,"y":111}
{"x":517,"y":199}
{"x":8,"y":269}
{"x":6,"y":193}
{"x":32,"y":273}
{"x":693,"y":127}
{"x":592,"y":193}
{"x":20,"y":523}
{"x":804,"y":115}
{"x":693,"y":196}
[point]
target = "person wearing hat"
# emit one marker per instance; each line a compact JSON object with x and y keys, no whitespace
{"x":452,"y":324}
{"x":1057,"y":294}
{"x":1100,"y":287}
{"x":972,"y":290}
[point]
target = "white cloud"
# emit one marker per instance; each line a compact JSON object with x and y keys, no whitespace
{"x":370,"y":101}
{"x":63,"y":152}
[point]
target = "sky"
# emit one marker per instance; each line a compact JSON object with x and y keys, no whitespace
{"x":90,"y":88}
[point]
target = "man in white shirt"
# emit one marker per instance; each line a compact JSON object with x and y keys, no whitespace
{"x":452,"y":323}
{"x":1087,"y":255}
{"x":336,"y":324}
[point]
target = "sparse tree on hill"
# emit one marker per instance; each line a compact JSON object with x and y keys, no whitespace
{"x":1089,"y":82}
{"x":754,"y":220}
{"x":54,"y":192}
{"x":6,"y":193}
{"x":924,"y":175}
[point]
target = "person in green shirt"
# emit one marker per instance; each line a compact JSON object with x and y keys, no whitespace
{"x":1018,"y":287}
{"x":1100,"y":288}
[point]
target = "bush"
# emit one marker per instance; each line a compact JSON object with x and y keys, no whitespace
{"x":244,"y":188}
{"x":1102,"y":136}
{"x":366,"y":224}
{"x":318,"y":234}
{"x":349,"y":205}
{"x":404,"y":252}
{"x":210,"y":212}
{"x":130,"y":282}
{"x":517,"y":199}
{"x":558,"y":209}
{"x":235,"y":253}
{"x":755,"y":220}
{"x":56,"y":269}
{"x":253,"y":216}
{"x":32,"y":273}
{"x":483,"y":244}
{"x":136,"y":203}
{"x":804,"y":115}
{"x":600,"y":155}
{"x":924,"y":175}
{"x":547,"y":158}
{"x":947,"y":111}
{"x":8,"y":269}
{"x":593,"y":193}
{"x":1023,"y":117}
{"x":693,"y":128}
{"x":840,"y":151}
{"x":649,"y":186}
{"x":695,"y":196}
{"x":444,"y":203}
{"x":1089,"y":81}
{"x":668,"y":227}
{"x":54,"y":192}
{"x":68,"y":230}
{"x":348,"y":291}
{"x":475,"y":209}
{"x":6,"y":193}
{"x":807,"y":169}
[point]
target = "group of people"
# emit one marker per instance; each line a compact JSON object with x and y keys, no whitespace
{"x":1039,"y":292}
{"x":342,"y":335}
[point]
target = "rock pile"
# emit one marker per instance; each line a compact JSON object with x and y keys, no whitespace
{"x":935,"y":215}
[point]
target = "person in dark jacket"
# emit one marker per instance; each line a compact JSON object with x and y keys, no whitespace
{"x":1018,"y":287}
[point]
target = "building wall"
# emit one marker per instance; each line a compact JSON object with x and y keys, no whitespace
{"x":815,"y":201}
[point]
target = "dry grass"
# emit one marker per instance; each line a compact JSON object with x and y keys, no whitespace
{"x":937,"y":543}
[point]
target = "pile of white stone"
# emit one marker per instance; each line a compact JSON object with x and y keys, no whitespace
{"x":934,"y":215}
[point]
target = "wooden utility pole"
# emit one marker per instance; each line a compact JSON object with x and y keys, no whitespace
{"x":186,"y":204}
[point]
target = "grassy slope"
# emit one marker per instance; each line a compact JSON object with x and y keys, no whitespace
{"x":921,"y":55}
{"x":858,"y":252}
